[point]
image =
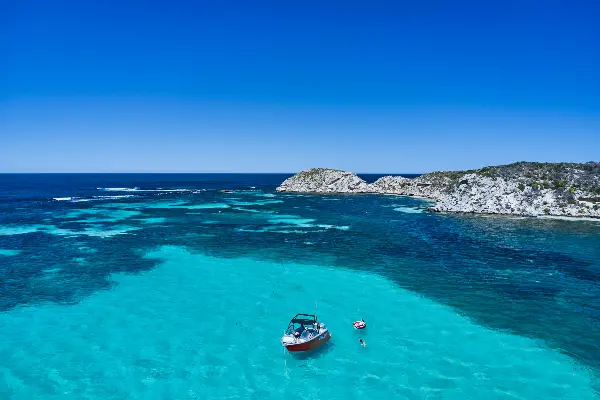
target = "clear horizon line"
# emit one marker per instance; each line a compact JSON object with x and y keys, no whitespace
{"x":191,"y":173}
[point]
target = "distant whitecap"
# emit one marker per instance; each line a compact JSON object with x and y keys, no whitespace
{"x":137,"y":189}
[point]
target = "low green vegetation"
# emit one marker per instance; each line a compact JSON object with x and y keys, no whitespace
{"x":590,"y":199}
{"x":556,"y":176}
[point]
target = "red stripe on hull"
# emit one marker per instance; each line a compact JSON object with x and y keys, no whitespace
{"x":313,"y":344}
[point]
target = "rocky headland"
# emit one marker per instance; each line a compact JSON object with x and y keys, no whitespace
{"x":522,"y":188}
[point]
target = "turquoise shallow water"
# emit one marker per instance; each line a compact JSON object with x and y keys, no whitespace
{"x":171,"y":289}
{"x":200,"y":327}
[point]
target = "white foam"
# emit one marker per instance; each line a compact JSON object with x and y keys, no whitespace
{"x":295,"y":231}
{"x":93,"y":198}
{"x":204,"y":206}
{"x":341,"y":228}
{"x":408,"y":210}
{"x":180,"y":204}
{"x":116,"y":189}
{"x":169,"y":190}
{"x":137,"y":189}
{"x":254,"y":203}
{"x":565,"y":218}
{"x":273,"y":230}
{"x":247,"y":210}
{"x":123,"y":196}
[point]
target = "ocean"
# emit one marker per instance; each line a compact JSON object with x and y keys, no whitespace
{"x":161,"y":286}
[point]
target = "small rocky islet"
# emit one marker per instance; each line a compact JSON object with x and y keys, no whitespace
{"x":521,"y":188}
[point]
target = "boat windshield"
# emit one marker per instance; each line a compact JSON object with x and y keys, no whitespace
{"x":308,"y":333}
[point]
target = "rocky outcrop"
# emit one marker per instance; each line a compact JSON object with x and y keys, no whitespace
{"x":324,"y":180}
{"x":560,"y":189}
{"x":481,"y":194}
{"x":429,"y":185}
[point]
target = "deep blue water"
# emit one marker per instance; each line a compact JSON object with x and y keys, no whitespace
{"x":64,"y":237}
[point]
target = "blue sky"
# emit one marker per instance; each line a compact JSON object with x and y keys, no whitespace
{"x":280,"y":86}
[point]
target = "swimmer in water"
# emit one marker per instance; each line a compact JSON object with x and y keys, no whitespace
{"x":363,"y":344}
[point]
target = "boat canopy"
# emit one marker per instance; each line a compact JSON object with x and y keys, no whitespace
{"x":304,"y":319}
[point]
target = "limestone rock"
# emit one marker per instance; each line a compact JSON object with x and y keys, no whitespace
{"x":323,"y":180}
{"x":524,"y":188}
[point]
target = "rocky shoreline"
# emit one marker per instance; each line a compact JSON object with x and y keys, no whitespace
{"x":523,"y":188}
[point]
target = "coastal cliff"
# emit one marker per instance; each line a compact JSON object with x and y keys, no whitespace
{"x":523,"y":188}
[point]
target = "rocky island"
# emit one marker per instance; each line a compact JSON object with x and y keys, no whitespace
{"x":522,"y":188}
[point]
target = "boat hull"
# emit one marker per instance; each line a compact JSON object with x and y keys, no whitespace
{"x":317,"y":342}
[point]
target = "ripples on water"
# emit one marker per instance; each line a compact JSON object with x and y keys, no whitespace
{"x":532,"y":277}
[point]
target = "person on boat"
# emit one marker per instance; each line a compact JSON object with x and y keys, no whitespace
{"x":299,"y":331}
{"x":362,"y":343}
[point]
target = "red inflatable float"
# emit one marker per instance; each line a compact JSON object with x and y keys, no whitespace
{"x":359,"y":324}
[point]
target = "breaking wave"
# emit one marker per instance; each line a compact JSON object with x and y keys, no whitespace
{"x":93,"y":198}
{"x":137,"y":189}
